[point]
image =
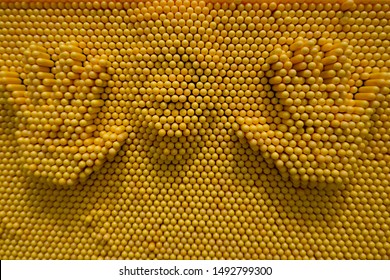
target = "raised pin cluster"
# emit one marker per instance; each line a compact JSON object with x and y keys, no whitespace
{"x":318,"y":128}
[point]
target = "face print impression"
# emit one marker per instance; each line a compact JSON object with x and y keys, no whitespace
{"x":194,"y":130}
{"x":57,"y":103}
{"x":318,"y":129}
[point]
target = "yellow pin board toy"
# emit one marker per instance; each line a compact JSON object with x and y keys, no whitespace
{"x":195,"y":130}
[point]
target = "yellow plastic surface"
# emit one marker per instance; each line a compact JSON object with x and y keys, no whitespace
{"x":195,"y":130}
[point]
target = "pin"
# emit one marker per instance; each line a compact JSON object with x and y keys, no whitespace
{"x":37,"y":48}
{"x":277,"y":66}
{"x":45,"y":62}
{"x":20,"y":101}
{"x":9,"y":74}
{"x":279,"y":87}
{"x":362,"y":103}
{"x":78,"y":56}
{"x":43,"y":88}
{"x":365,"y":96}
{"x":275,"y":80}
{"x":73,"y":76}
{"x":358,"y":110}
{"x":15,"y":87}
{"x":327,"y":47}
{"x":49,"y":83}
{"x":97,"y":103}
{"x":38,"y":68}
{"x":349,"y":102}
{"x":329,"y":60}
{"x":297,"y":45}
{"x":272,"y":59}
{"x":297,"y":59}
{"x":331,"y":67}
{"x":347,"y":5}
{"x":71,"y":48}
{"x":377,"y":82}
{"x":368,"y":89}
{"x":104,"y":76}
{"x":305,"y":73}
{"x":77,"y":69}
{"x":46,"y":95}
{"x":381,"y":75}
{"x":328,"y":74}
{"x":103,"y":62}
{"x":64,"y":54}
{"x":300,"y":66}
{"x":9,"y":80}
{"x":93,"y":110}
{"x":336,"y":52}
{"x":304,"y":51}
{"x":19,"y":93}
{"x":38,"y":54}
{"x":45,"y":75}
{"x":97,"y":68}
{"x":90,"y":116}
